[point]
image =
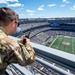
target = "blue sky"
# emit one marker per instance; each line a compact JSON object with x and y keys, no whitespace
{"x":41,"y":8}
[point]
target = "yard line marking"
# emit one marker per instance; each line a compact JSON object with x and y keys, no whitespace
{"x":54,"y":41}
{"x":60,"y":42}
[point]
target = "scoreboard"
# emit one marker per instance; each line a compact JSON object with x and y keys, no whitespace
{"x":54,"y":24}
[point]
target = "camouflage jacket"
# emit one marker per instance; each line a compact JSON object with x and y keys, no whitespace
{"x":12,"y":51}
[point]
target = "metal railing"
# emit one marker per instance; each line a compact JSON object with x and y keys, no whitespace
{"x":64,"y":59}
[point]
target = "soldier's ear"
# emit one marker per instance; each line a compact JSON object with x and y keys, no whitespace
{"x":13,"y":24}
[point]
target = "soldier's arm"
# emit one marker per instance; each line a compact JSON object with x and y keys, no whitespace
{"x":26,"y":54}
{"x":16,"y":52}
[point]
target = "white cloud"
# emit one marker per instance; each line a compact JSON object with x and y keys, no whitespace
{"x":12,"y":0}
{"x":66,"y":1}
{"x":22,"y":15}
{"x":15,"y":5}
{"x":11,"y":5}
{"x":6,"y":1}
{"x":73,"y":8}
{"x":51,"y":5}
{"x":41,"y":7}
{"x":21,"y":9}
{"x":63,"y":5}
{"x":3,"y":1}
{"x":30,"y":14}
{"x":30,"y":11}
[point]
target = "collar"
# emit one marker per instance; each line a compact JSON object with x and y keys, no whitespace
{"x":1,"y":28}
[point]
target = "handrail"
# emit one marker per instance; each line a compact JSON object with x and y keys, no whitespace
{"x":62,"y":58}
{"x":67,"y":59}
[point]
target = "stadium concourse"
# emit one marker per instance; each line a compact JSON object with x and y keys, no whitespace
{"x":42,"y":33}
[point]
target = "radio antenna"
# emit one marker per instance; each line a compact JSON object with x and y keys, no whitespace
{"x":27,"y":36}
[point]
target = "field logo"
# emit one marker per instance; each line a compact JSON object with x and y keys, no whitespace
{"x":66,"y":43}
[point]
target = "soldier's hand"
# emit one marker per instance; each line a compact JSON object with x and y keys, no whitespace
{"x":25,"y":40}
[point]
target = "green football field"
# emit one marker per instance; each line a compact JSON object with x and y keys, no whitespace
{"x":63,"y":43}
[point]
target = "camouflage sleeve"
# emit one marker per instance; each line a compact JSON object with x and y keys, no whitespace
{"x":15,"y":52}
{"x":6,"y":54}
{"x":26,"y":54}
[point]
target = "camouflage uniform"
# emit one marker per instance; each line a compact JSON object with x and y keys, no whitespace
{"x":14,"y":52}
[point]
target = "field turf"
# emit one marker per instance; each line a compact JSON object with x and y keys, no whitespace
{"x":63,"y":43}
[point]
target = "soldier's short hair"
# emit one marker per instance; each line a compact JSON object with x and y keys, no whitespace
{"x":7,"y":15}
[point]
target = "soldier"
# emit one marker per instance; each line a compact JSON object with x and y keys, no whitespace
{"x":12,"y":51}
